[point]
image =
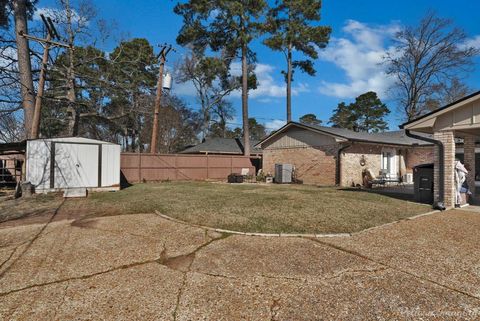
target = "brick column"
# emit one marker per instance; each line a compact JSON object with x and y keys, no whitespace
{"x":469,"y":158}
{"x":448,"y":140}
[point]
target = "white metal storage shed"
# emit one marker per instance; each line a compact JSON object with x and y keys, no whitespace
{"x":73,"y":162}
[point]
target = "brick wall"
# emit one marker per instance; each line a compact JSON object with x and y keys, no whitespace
{"x":313,"y":165}
{"x":351,"y":170}
{"x":418,"y":155}
{"x":447,"y":138}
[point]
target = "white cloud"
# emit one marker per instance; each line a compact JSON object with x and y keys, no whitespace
{"x":265,"y":100}
{"x":274,"y":124}
{"x":472,"y":42}
{"x":359,"y":54}
{"x":267,"y":86}
{"x":59,"y":15}
{"x":7,"y":55}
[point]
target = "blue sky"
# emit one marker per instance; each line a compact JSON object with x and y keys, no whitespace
{"x":348,"y":67}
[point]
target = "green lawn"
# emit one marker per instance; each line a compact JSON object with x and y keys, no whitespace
{"x":250,"y":207}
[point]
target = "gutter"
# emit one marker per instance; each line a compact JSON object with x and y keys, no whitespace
{"x":339,"y":163}
{"x":440,"y":204}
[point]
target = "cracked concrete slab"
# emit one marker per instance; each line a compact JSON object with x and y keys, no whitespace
{"x":442,"y":247}
{"x":268,"y":256}
{"x":381,"y":295}
{"x":66,"y":250}
{"x":146,"y":292}
{"x":143,"y":267}
{"x":18,"y":235}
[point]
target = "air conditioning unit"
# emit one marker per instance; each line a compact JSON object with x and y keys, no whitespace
{"x":408,"y":178}
{"x":283,"y":173}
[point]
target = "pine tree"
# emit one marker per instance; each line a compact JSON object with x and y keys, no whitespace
{"x":310,"y":119}
{"x":229,"y":27}
{"x":366,"y":114}
{"x":292,"y":27}
{"x":370,"y":113}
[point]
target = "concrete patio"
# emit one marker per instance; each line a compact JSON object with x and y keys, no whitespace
{"x":142,"y":267}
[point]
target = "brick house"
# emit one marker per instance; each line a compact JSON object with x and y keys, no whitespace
{"x":329,"y":156}
{"x":455,"y":131}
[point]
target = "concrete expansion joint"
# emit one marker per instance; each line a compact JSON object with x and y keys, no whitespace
{"x":301,"y":235}
{"x":219,"y":230}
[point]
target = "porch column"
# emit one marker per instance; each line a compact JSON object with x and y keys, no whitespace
{"x":469,"y":159}
{"x":448,"y":139}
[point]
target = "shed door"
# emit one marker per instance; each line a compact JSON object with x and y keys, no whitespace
{"x":76,"y":165}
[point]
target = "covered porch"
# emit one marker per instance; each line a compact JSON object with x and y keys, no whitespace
{"x":455,"y":130}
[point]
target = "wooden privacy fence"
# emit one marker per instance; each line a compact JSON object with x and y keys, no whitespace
{"x":137,"y":167}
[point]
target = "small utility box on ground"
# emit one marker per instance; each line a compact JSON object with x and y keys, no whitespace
{"x":283,"y":173}
{"x":423,"y":183}
{"x":235,"y":178}
{"x":72,"y":163}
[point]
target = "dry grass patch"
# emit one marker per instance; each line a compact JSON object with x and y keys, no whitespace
{"x":260,"y":208}
{"x":12,"y":209}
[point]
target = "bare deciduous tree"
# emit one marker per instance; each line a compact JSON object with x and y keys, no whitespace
{"x":433,"y":53}
{"x":11,"y":129}
{"x":212,"y":81}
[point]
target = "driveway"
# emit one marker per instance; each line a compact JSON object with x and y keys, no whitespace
{"x":143,"y":267}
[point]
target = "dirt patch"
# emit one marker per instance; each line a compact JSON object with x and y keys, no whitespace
{"x":40,"y":208}
{"x":84,"y":223}
{"x":180,"y":263}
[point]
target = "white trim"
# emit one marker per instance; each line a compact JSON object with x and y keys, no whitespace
{"x":418,"y":123}
{"x":338,"y":138}
{"x":391,"y":162}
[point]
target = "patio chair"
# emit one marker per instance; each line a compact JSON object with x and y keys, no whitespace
{"x":370,"y":180}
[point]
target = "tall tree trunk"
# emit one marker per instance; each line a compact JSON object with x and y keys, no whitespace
{"x":24,"y":64}
{"x":74,"y":119}
{"x":246,"y":132}
{"x":289,"y":83}
{"x":206,"y":121}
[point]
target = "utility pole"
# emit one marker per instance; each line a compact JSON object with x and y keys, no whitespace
{"x":46,"y":43}
{"x":165,"y":49}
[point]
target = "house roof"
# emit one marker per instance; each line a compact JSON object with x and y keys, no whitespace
{"x":221,"y":146}
{"x":397,"y":137}
{"x":440,"y":110}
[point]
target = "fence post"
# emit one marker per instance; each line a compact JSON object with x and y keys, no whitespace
{"x":139,"y":167}
{"x":208,"y":171}
{"x":176,"y":168}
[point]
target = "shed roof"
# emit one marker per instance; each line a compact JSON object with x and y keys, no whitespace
{"x":74,"y":140}
{"x":221,"y":146}
{"x":12,"y":148}
{"x":397,"y":137}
